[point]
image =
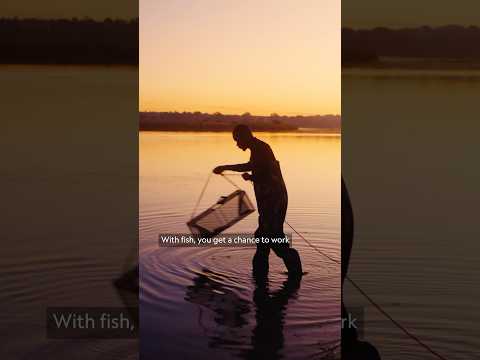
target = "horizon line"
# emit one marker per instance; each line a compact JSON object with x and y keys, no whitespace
{"x":237,"y":114}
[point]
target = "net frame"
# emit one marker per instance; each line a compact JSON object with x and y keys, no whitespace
{"x":245,"y":208}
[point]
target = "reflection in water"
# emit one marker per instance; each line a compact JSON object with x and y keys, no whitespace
{"x":228,"y":307}
{"x":267,"y":337}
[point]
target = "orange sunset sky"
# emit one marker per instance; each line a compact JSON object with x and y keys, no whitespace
{"x":233,"y":56}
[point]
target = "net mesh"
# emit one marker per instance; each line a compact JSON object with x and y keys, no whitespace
{"x":226,"y":212}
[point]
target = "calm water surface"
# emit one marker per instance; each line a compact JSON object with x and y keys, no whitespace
{"x":410,"y":159}
{"x":203,"y":301}
{"x":69,"y":209}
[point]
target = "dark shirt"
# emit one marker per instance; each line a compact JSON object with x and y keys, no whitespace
{"x":270,"y":191}
{"x":266,"y":172}
{"x":262,"y":161}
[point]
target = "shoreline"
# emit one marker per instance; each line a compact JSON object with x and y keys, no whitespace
{"x":406,"y":63}
{"x":294,"y":131}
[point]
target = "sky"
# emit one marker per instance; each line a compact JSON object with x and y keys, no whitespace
{"x":233,"y":56}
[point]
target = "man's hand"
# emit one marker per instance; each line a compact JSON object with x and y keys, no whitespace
{"x":218,"y":170}
{"x":246,"y":176}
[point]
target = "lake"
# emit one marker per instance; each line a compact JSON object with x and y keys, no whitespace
{"x":69,"y":191}
{"x":409,"y":158}
{"x":204,"y":300}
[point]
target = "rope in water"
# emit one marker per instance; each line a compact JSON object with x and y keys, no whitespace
{"x":355,"y":285}
{"x":313,"y":246}
{"x":371,"y":301}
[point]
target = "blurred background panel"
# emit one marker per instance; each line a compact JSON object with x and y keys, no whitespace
{"x":69,"y":176}
{"x":410,"y":83}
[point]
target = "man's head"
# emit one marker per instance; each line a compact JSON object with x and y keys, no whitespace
{"x":243,"y":136}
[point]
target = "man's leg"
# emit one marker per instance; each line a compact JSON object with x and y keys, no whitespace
{"x":288,"y":254}
{"x":260,"y":259}
{"x":291,"y":259}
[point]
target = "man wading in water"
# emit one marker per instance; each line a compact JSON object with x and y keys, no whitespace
{"x":272,"y":200}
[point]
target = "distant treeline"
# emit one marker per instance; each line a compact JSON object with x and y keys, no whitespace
{"x":446,"y":42}
{"x":72,"y":41}
{"x":197,"y":121}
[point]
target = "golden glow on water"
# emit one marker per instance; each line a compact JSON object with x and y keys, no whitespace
{"x":173,"y":170}
{"x":174,"y":166}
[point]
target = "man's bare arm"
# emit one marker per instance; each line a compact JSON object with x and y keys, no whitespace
{"x":236,"y":167}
